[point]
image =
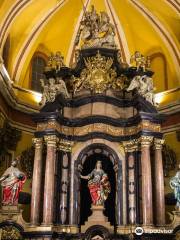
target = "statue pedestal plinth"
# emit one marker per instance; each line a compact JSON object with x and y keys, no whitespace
{"x":11,"y":213}
{"x":97,"y":218}
{"x":176,"y":218}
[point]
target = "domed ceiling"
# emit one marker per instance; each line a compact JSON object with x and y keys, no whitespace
{"x":43,"y":26}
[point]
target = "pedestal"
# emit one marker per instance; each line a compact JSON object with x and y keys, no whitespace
{"x":12,"y":213}
{"x":97,"y":218}
{"x":176,"y":219}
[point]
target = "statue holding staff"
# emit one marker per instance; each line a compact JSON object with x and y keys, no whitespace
{"x":98,"y":184}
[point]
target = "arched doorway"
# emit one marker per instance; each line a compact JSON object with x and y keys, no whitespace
{"x":112,"y":165}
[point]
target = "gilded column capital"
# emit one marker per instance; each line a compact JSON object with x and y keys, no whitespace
{"x":158,"y":142}
{"x":146,"y":141}
{"x":37,"y":142}
{"x":51,"y":140}
{"x":65,"y":145}
{"x":131,"y":145}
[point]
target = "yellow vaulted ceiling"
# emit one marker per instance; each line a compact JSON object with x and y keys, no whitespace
{"x":48,"y":26}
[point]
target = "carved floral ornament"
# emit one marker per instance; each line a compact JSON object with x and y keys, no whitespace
{"x":99,"y":127}
{"x":10,"y":233}
{"x":65,"y":145}
{"x":144,"y":141}
{"x":98,"y":75}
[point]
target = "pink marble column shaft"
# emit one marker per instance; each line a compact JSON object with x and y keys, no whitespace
{"x":146,"y":180}
{"x":36,"y":182}
{"x":49,"y":180}
{"x":159,"y":183}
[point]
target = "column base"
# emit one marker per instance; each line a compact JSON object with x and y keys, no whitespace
{"x":73,"y":229}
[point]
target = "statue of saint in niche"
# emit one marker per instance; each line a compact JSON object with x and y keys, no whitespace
{"x":99,"y":185}
{"x":12,"y":182}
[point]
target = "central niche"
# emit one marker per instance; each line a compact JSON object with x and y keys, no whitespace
{"x":85,"y":198}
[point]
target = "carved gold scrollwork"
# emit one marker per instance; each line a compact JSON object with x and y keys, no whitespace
{"x":65,"y":145}
{"x":100,"y":127}
{"x":10,"y":233}
{"x":51,"y":140}
{"x":146,"y":141}
{"x":37,"y":142}
{"x":131,"y":145}
{"x":98,"y":75}
{"x":158,"y":143}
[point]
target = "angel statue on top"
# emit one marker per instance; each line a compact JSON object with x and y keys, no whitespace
{"x":12,"y":182}
{"x":53,"y":88}
{"x":175,"y":185}
{"x":98,"y":184}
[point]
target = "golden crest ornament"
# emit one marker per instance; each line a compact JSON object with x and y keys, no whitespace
{"x":98,"y":75}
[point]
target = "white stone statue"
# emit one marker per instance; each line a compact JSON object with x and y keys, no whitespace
{"x":175,"y":185}
{"x":52,"y":89}
{"x":61,"y":88}
{"x":144,"y":86}
{"x":96,"y":30}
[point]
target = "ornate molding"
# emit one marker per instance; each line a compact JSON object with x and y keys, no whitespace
{"x":10,"y":232}
{"x":51,"y":140}
{"x":99,"y":127}
{"x":158,"y":143}
{"x":65,"y":145}
{"x":98,"y":75}
{"x":146,"y":141}
{"x":37,"y":142}
{"x":131,"y":145}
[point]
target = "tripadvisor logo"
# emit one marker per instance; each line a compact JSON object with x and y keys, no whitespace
{"x":139,"y":231}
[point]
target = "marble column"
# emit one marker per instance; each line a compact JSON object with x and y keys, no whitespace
{"x":146,"y":180}
{"x":130,"y":149}
{"x":36,"y":182}
{"x":49,"y":180}
{"x":159,"y":183}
